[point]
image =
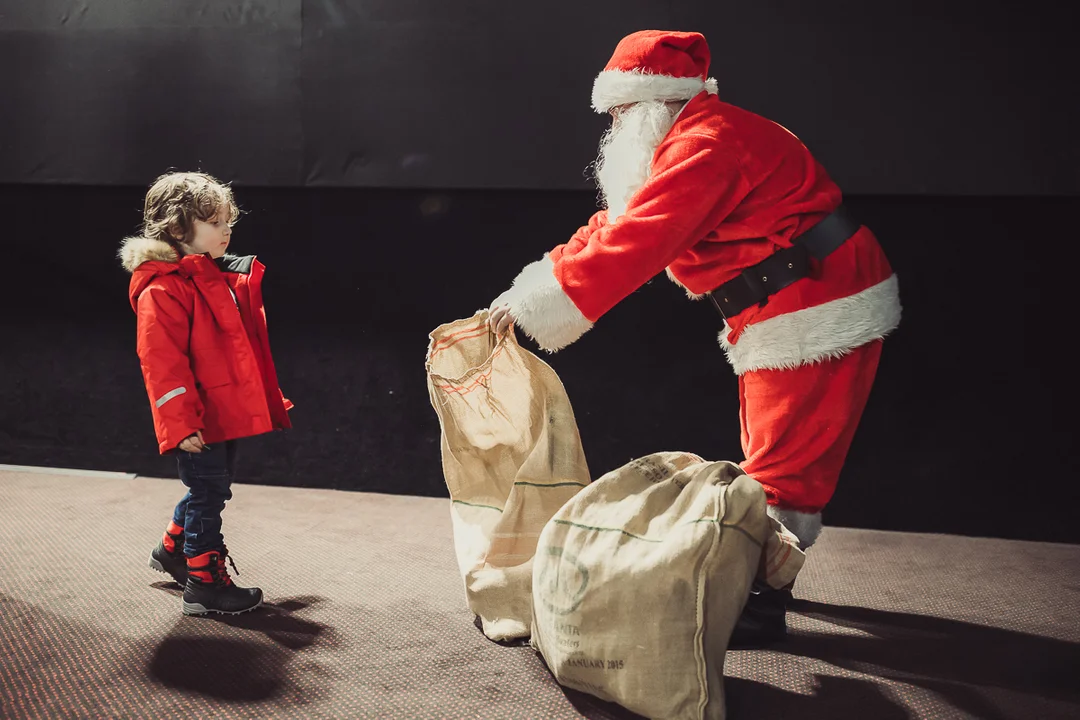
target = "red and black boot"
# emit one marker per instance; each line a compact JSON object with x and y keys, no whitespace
{"x":210,"y":589}
{"x":168,"y":556}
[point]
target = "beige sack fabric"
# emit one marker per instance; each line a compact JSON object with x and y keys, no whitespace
{"x":511,"y":457}
{"x":639,"y":580}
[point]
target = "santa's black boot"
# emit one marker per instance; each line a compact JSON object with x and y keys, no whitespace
{"x":764,"y":618}
{"x":168,"y":556}
{"x":210,"y":589}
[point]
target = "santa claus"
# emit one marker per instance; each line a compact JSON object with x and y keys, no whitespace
{"x":735,"y":209}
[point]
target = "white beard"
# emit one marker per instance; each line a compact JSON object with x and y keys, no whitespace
{"x":626,"y":152}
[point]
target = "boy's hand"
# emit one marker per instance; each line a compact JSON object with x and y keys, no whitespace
{"x":193,"y":444}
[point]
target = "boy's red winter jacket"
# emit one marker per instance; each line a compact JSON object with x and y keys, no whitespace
{"x":205,"y":357}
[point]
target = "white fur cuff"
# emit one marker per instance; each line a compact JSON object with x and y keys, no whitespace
{"x":541,"y":309}
{"x":619,"y":87}
{"x":804,"y":526}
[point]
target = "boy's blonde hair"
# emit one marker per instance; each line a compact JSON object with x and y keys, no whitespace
{"x":176,"y":200}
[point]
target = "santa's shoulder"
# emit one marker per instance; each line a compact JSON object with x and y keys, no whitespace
{"x":708,"y":121}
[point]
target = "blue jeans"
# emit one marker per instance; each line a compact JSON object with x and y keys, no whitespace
{"x":208,"y":477}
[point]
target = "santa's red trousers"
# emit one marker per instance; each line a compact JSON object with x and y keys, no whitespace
{"x":797,"y":425}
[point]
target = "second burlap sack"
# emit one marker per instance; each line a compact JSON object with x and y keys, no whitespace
{"x":639,"y":579}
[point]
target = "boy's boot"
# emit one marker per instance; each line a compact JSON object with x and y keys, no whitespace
{"x":168,"y":556}
{"x":210,"y":589}
{"x":764,"y":618}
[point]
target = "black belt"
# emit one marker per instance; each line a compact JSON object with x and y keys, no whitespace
{"x":755,"y":284}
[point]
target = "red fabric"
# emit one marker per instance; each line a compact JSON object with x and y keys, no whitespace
{"x":728,"y":188}
{"x":191,"y":336}
{"x":658,"y":52}
{"x":209,"y":559}
{"x":171,"y":532}
{"x":208,"y":567}
{"x":168,"y":543}
{"x":797,"y":425}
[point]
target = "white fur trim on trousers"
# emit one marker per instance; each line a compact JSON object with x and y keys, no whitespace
{"x":804,"y":526}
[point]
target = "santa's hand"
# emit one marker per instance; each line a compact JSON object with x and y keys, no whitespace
{"x":500,"y":319}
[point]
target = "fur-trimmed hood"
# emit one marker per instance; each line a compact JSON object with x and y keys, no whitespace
{"x":136,"y":250}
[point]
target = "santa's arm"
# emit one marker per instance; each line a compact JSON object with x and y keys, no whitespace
{"x":581,"y":238}
{"x":695,"y":184}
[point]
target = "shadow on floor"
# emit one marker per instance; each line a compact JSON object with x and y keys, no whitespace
{"x":958,"y":661}
{"x":981,"y":671}
{"x":239,"y":658}
{"x":835,"y":698}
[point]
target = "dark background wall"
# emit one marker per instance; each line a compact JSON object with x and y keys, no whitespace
{"x":956,"y":97}
{"x":400,"y":161}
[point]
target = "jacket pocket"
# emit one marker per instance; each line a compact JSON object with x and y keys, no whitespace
{"x":210,"y":384}
{"x":210,"y":371}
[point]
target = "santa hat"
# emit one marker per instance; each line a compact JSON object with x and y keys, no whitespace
{"x":654,"y":65}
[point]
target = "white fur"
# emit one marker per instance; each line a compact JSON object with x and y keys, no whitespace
{"x":805,"y":526}
{"x":134,"y":251}
{"x":620,"y":87}
{"x":541,"y":309}
{"x":627,"y":150}
{"x":825,"y":331}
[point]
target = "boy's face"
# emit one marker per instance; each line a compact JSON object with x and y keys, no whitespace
{"x":211,"y":236}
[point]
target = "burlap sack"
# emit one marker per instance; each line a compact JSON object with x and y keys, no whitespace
{"x":511,"y":456}
{"x":639,"y":580}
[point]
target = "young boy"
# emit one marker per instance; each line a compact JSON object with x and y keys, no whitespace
{"x":202,"y":344}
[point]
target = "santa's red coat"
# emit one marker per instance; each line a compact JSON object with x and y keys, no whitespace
{"x":727,"y":189}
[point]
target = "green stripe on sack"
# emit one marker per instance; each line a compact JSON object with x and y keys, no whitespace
{"x":736,"y":528}
{"x":562,"y":484}
{"x":603,"y":529}
{"x":486,"y":507}
{"x":639,"y":537}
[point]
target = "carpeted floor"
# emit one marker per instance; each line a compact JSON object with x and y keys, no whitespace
{"x":366,"y":619}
